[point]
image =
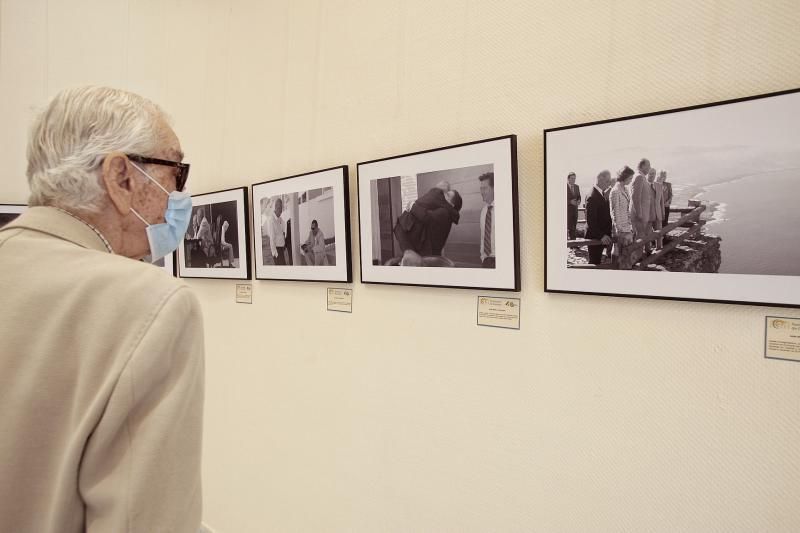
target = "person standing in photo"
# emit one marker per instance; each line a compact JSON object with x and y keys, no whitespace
{"x":204,"y":233}
{"x":277,"y":233}
{"x":573,"y":201}
{"x":225,"y":248}
{"x":598,"y":217}
{"x":487,"y":220}
{"x":102,"y":365}
{"x":619,"y":204}
{"x":658,"y":204}
{"x":216,"y":225}
{"x":642,"y":197}
{"x":195,"y":225}
{"x":288,"y":245}
{"x":667,"y":195}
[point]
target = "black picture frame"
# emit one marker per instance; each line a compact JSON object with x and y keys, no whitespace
{"x":382,"y":200}
{"x":167,"y":263}
{"x":199,"y":256}
{"x":728,"y":141}
{"x":321,"y":196}
{"x":9,"y":212}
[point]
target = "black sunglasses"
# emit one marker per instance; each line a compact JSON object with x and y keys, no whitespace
{"x":180,"y":177}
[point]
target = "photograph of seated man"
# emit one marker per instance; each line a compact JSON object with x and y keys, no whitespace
{"x":314,"y":247}
{"x":214,"y":244}
{"x":310,"y":210}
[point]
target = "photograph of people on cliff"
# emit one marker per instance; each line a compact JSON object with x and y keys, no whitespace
{"x":712,"y":190}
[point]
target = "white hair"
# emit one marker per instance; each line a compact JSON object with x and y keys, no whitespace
{"x":70,"y":139}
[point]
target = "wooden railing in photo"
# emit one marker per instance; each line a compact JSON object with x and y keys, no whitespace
{"x":631,"y":256}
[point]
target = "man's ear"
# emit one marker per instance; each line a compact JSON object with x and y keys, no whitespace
{"x":119,"y":185}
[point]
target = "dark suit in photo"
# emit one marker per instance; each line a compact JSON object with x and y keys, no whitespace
{"x":667,"y":201}
{"x":598,"y":223}
{"x":573,"y":193}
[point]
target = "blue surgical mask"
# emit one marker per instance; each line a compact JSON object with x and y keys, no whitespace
{"x":164,"y":238}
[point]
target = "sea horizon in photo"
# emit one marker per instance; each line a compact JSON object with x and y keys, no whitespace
{"x":756,"y":218}
{"x":753,"y":215}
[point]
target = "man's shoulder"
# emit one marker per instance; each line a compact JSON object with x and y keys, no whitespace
{"x":95,"y":281}
{"x":143,"y":287}
{"x":141,"y":270}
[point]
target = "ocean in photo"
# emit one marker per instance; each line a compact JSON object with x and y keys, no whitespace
{"x":757,"y":217}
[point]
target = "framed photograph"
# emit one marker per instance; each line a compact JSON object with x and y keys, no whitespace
{"x":167,"y":263}
{"x":216,"y":243}
{"x":9,"y":212}
{"x":697,"y":204}
{"x":442,"y":218}
{"x":302,"y":227}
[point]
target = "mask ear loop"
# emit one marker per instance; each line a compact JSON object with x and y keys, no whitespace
{"x":146,"y":223}
{"x":148,"y":176}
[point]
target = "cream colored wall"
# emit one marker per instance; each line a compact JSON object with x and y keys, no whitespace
{"x":601,"y":414}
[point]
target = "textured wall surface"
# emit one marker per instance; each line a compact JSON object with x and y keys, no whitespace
{"x":600,"y":414}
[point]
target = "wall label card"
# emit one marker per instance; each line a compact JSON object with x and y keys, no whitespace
{"x":244,"y":293}
{"x":340,"y":300}
{"x":498,"y":312}
{"x":782,"y":338}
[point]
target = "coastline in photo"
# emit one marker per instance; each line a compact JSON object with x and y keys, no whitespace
{"x":713,"y":189}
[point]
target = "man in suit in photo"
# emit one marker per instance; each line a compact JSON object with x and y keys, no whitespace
{"x":573,"y":201}
{"x":667,"y":196}
{"x":487,"y":220}
{"x":598,"y":217}
{"x":642,"y":203}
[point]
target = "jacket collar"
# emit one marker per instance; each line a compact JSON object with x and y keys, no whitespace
{"x":53,"y":222}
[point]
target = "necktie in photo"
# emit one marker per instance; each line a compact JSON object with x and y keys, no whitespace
{"x":487,"y":232}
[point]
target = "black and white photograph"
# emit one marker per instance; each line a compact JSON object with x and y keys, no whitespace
{"x":445,"y":217}
{"x":167,"y":263}
{"x":302,"y":228}
{"x":9,"y":212}
{"x":695,"y":203}
{"x":216,"y":242}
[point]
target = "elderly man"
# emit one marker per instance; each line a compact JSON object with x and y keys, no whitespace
{"x":642,"y":203}
{"x":101,"y":369}
{"x":598,"y":217}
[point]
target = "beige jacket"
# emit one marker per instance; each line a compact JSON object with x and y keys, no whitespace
{"x":101,"y":386}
